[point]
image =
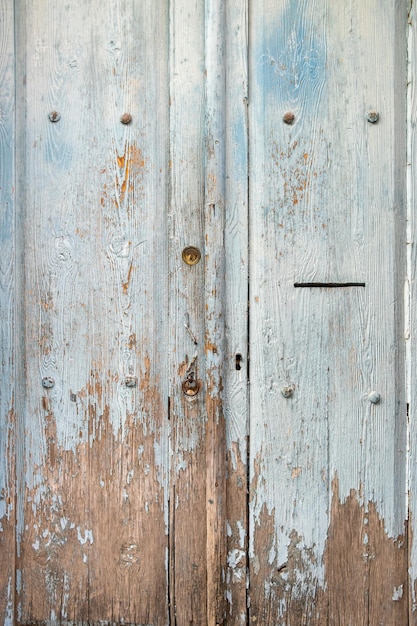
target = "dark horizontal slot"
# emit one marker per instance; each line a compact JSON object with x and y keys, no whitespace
{"x":329,"y":285}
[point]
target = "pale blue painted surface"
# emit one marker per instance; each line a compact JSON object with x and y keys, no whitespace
{"x":327,"y":204}
{"x":7,"y":311}
{"x":106,"y":294}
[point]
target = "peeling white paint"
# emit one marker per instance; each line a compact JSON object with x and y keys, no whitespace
{"x":8,"y":615}
{"x":88,"y":536}
{"x":398,"y":593}
{"x":235,"y":558}
{"x":242,"y":533}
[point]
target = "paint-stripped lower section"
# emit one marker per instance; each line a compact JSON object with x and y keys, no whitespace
{"x":365,"y":572}
{"x":8,"y":529}
{"x":237,"y":538}
{"x":94,"y":545}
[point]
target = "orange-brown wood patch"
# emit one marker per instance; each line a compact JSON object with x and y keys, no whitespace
{"x":94,"y":545}
{"x":365,"y":572}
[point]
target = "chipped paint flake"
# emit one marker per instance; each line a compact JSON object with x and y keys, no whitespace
{"x":84,"y":536}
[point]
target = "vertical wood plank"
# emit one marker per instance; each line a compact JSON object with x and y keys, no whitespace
{"x":214,"y":288}
{"x":188,"y":501}
{"x":236,"y":365}
{"x":96,"y":457}
{"x":326,"y":205}
{"x":7,"y":316}
{"x":411,"y":304}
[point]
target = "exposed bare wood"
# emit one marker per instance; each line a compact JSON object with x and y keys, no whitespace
{"x":363,"y":561}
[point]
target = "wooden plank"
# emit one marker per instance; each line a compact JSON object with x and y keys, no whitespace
{"x":198,"y":514}
{"x":188,"y":502}
{"x":411,"y":308}
{"x":236,"y":364}
{"x":327,"y":189}
{"x":7,"y":316}
{"x":214,"y":288}
{"x":96,"y":459}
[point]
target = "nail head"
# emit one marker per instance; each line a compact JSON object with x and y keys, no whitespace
{"x":288,"y":117}
{"x":130,"y":381}
{"x":54,"y":116}
{"x":48,"y":382}
{"x":287,"y":392}
{"x":372,"y":116}
{"x":374,"y":397}
{"x":126,"y":118}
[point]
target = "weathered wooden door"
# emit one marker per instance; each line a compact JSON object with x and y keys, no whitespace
{"x":207,"y":320}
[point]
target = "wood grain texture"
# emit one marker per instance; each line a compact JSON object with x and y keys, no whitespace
{"x":411,"y":304}
{"x":249,"y":139}
{"x":236,"y":365}
{"x":326,"y":205}
{"x":95,"y":497}
{"x":188,"y":500}
{"x":7,"y":316}
{"x":214,"y":282}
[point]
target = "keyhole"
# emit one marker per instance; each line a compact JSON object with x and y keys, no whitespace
{"x":238,"y":362}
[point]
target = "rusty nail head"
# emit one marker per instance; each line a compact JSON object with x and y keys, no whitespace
{"x":54,"y":116}
{"x":288,"y":117}
{"x":130,"y":381}
{"x":372,"y":116}
{"x":126,"y":118}
{"x":191,"y":255}
{"x":48,"y":382}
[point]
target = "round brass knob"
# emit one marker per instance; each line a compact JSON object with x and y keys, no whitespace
{"x":191,"y":255}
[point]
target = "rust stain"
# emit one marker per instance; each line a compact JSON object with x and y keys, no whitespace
{"x":125,"y":285}
{"x":131,"y":163}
